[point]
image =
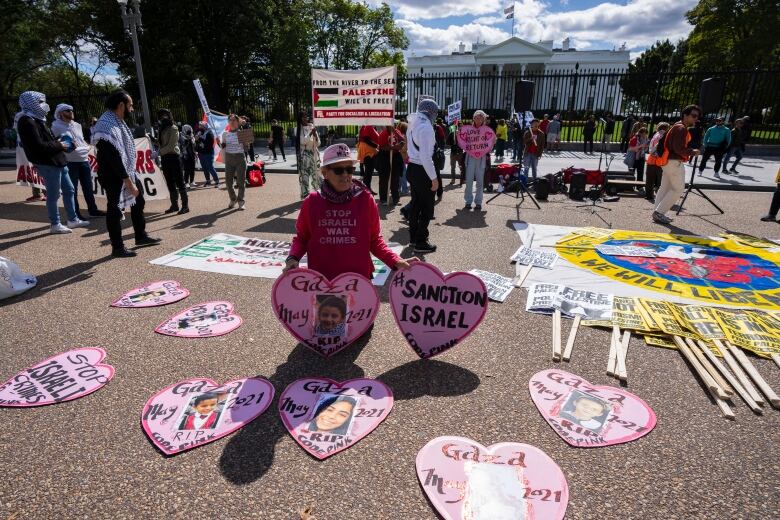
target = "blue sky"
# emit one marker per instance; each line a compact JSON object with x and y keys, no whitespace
{"x":437,"y":26}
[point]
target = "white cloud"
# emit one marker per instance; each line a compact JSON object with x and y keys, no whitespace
{"x":435,"y":9}
{"x":428,"y":40}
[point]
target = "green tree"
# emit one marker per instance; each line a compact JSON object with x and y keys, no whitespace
{"x":640,"y":83}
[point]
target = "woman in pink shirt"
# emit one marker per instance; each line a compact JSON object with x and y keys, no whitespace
{"x":338,"y":226}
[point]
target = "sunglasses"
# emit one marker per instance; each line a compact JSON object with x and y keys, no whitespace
{"x":341,"y":170}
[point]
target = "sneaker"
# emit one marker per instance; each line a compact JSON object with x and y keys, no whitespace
{"x":768,"y":218}
{"x":660,"y":219}
{"x":97,"y":213}
{"x":147,"y":241}
{"x":183,"y":210}
{"x":208,"y":183}
{"x":425,"y":247}
{"x":477,"y":208}
{"x":172,"y":209}
{"x":467,"y":207}
{"x":241,"y":205}
{"x":232,"y":204}
{"x":59,"y":229}
{"x":122,"y":252}
{"x":735,"y":172}
{"x":34,"y":198}
{"x":78,"y":223}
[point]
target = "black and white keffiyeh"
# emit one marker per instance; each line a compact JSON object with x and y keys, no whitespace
{"x":116,"y":132}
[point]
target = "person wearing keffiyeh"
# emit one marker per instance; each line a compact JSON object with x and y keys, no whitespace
{"x":116,"y":158}
{"x":48,"y":156}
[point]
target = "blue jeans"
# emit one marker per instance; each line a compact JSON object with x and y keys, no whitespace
{"x":530,"y":161}
{"x":56,"y":178}
{"x":403,"y":183}
{"x":736,"y":152}
{"x":517,"y":149}
{"x":81,"y":174}
{"x":207,"y":164}
{"x":475,"y":171}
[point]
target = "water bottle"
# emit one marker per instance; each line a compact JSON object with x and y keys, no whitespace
{"x":67,"y":140}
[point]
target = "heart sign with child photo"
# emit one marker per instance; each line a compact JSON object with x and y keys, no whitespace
{"x":325,"y":315}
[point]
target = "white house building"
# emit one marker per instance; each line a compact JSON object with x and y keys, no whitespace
{"x":447,"y":77}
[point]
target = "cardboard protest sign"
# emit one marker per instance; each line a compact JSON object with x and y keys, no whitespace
{"x":699,"y":320}
{"x":198,"y":411}
{"x":354,"y":97}
{"x":628,"y":314}
{"x":148,"y":172}
{"x":453,"y":111}
{"x":546,"y":298}
{"x":498,"y":286}
{"x":477,"y":142}
{"x":204,"y":320}
{"x":245,"y":256}
{"x":610,"y":250}
{"x":153,"y":294}
{"x":535,"y":257}
{"x":663,"y":317}
{"x":465,"y":480}
{"x":543,"y":298}
{"x":748,"y":331}
{"x":589,"y":416}
{"x":433,"y":311}
{"x":660,"y":341}
{"x":326,"y":316}
{"x":326,"y":417}
{"x":64,"y":377}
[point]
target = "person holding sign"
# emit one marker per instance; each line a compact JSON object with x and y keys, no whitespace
{"x":338,"y":226}
{"x":476,"y":163}
{"x":116,"y":158}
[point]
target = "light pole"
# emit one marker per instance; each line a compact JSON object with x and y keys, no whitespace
{"x":131,"y":16}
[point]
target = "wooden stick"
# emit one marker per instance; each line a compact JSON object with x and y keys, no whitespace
{"x":708,"y":366}
{"x":521,"y":273}
{"x":621,"y":357}
{"x":744,"y":394}
{"x":743,"y":379}
{"x":709,"y":383}
{"x":557,"y":335}
{"x":612,"y":360}
{"x":572,"y":335}
{"x":776,"y":359}
{"x":762,"y":385}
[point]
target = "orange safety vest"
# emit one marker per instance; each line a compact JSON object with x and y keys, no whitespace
{"x":664,"y":159}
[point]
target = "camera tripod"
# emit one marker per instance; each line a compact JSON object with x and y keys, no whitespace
{"x":521,"y":193}
{"x":692,"y":187}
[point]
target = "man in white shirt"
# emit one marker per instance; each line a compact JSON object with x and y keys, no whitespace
{"x":421,"y":173}
{"x":78,"y":163}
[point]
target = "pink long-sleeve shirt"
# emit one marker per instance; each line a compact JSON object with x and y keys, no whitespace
{"x":340,"y":238}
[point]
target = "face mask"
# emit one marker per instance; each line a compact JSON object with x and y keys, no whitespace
{"x":45,"y":107}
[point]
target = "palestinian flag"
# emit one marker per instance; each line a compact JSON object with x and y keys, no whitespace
{"x":325,"y":97}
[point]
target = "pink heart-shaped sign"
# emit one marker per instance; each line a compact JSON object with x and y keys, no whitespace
{"x":589,"y":416}
{"x":194,"y":412}
{"x":326,"y":417}
{"x":152,"y":294}
{"x":202,"y":321}
{"x":436,"y":312}
{"x":476,"y":142}
{"x":326,"y":316}
{"x":64,"y":377}
{"x":465,"y":480}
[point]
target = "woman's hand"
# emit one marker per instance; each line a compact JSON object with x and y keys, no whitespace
{"x":291,"y":263}
{"x":403,"y":264}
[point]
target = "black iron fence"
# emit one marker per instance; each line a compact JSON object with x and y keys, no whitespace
{"x":574,"y":95}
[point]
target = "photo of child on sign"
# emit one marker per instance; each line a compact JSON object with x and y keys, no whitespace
{"x":493,"y":492}
{"x":203,"y":412}
{"x":331,"y":315}
{"x":203,"y":320}
{"x":333,"y":414}
{"x":147,"y":295}
{"x":586,"y":411}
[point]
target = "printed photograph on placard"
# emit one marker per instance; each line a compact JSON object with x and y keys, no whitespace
{"x":585,"y":410}
{"x":147,"y":296}
{"x":493,"y":492}
{"x":203,"y":412}
{"x":203,"y":320}
{"x":333,"y":414}
{"x":330,"y":315}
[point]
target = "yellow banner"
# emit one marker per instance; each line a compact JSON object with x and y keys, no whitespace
{"x":662,"y":315}
{"x":749,"y":331}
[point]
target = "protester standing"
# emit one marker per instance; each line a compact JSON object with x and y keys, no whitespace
{"x":116,"y":157}
{"x":249,"y":150}
{"x":517,"y":141}
{"x":775,"y":205}
{"x":78,"y":164}
{"x":390,"y":163}
{"x":204,"y":145}
{"x":368,"y":139}
{"x":747,"y":131}
{"x":277,"y":139}
{"x":609,"y":129}
{"x":422,"y":174}
{"x":48,"y":156}
{"x":475,"y":170}
{"x":677,"y":153}
{"x":309,"y":144}
{"x":235,"y":162}
{"x":717,"y":140}
{"x":501,"y":137}
{"x":588,"y":131}
{"x":187,"y":146}
{"x":545,"y":122}
{"x":534,"y":143}
{"x":170,"y":160}
{"x":553,"y":137}
{"x":653,"y":171}
{"x":625,"y":132}
{"x":456,"y":154}
{"x":638,"y":145}
{"x":735,"y":148}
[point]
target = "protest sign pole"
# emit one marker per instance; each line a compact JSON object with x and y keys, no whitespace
{"x":613,"y":348}
{"x":776,"y":359}
{"x":744,"y":394}
{"x":556,"y":334}
{"x":572,"y":336}
{"x":521,"y":273}
{"x":709,"y":367}
{"x":621,"y":356}
{"x":762,"y":385}
{"x":709,"y":383}
{"x":739,"y":373}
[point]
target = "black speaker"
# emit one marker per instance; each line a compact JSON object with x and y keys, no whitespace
{"x":711,"y":94}
{"x":524,"y":95}
{"x":542,"y":188}
{"x":577,"y":188}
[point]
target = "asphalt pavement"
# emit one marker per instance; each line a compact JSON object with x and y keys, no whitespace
{"x":89,"y":458}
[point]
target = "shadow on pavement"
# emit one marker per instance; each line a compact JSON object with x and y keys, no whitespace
{"x":204,"y":221}
{"x":282,"y":210}
{"x":466,"y":219}
{"x":277,"y":225}
{"x":21,"y":233}
{"x":429,"y":377}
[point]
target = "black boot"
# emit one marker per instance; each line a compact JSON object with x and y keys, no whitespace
{"x":122,"y":252}
{"x":173,"y":209}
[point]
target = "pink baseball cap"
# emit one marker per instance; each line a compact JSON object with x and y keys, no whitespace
{"x":337,"y":153}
